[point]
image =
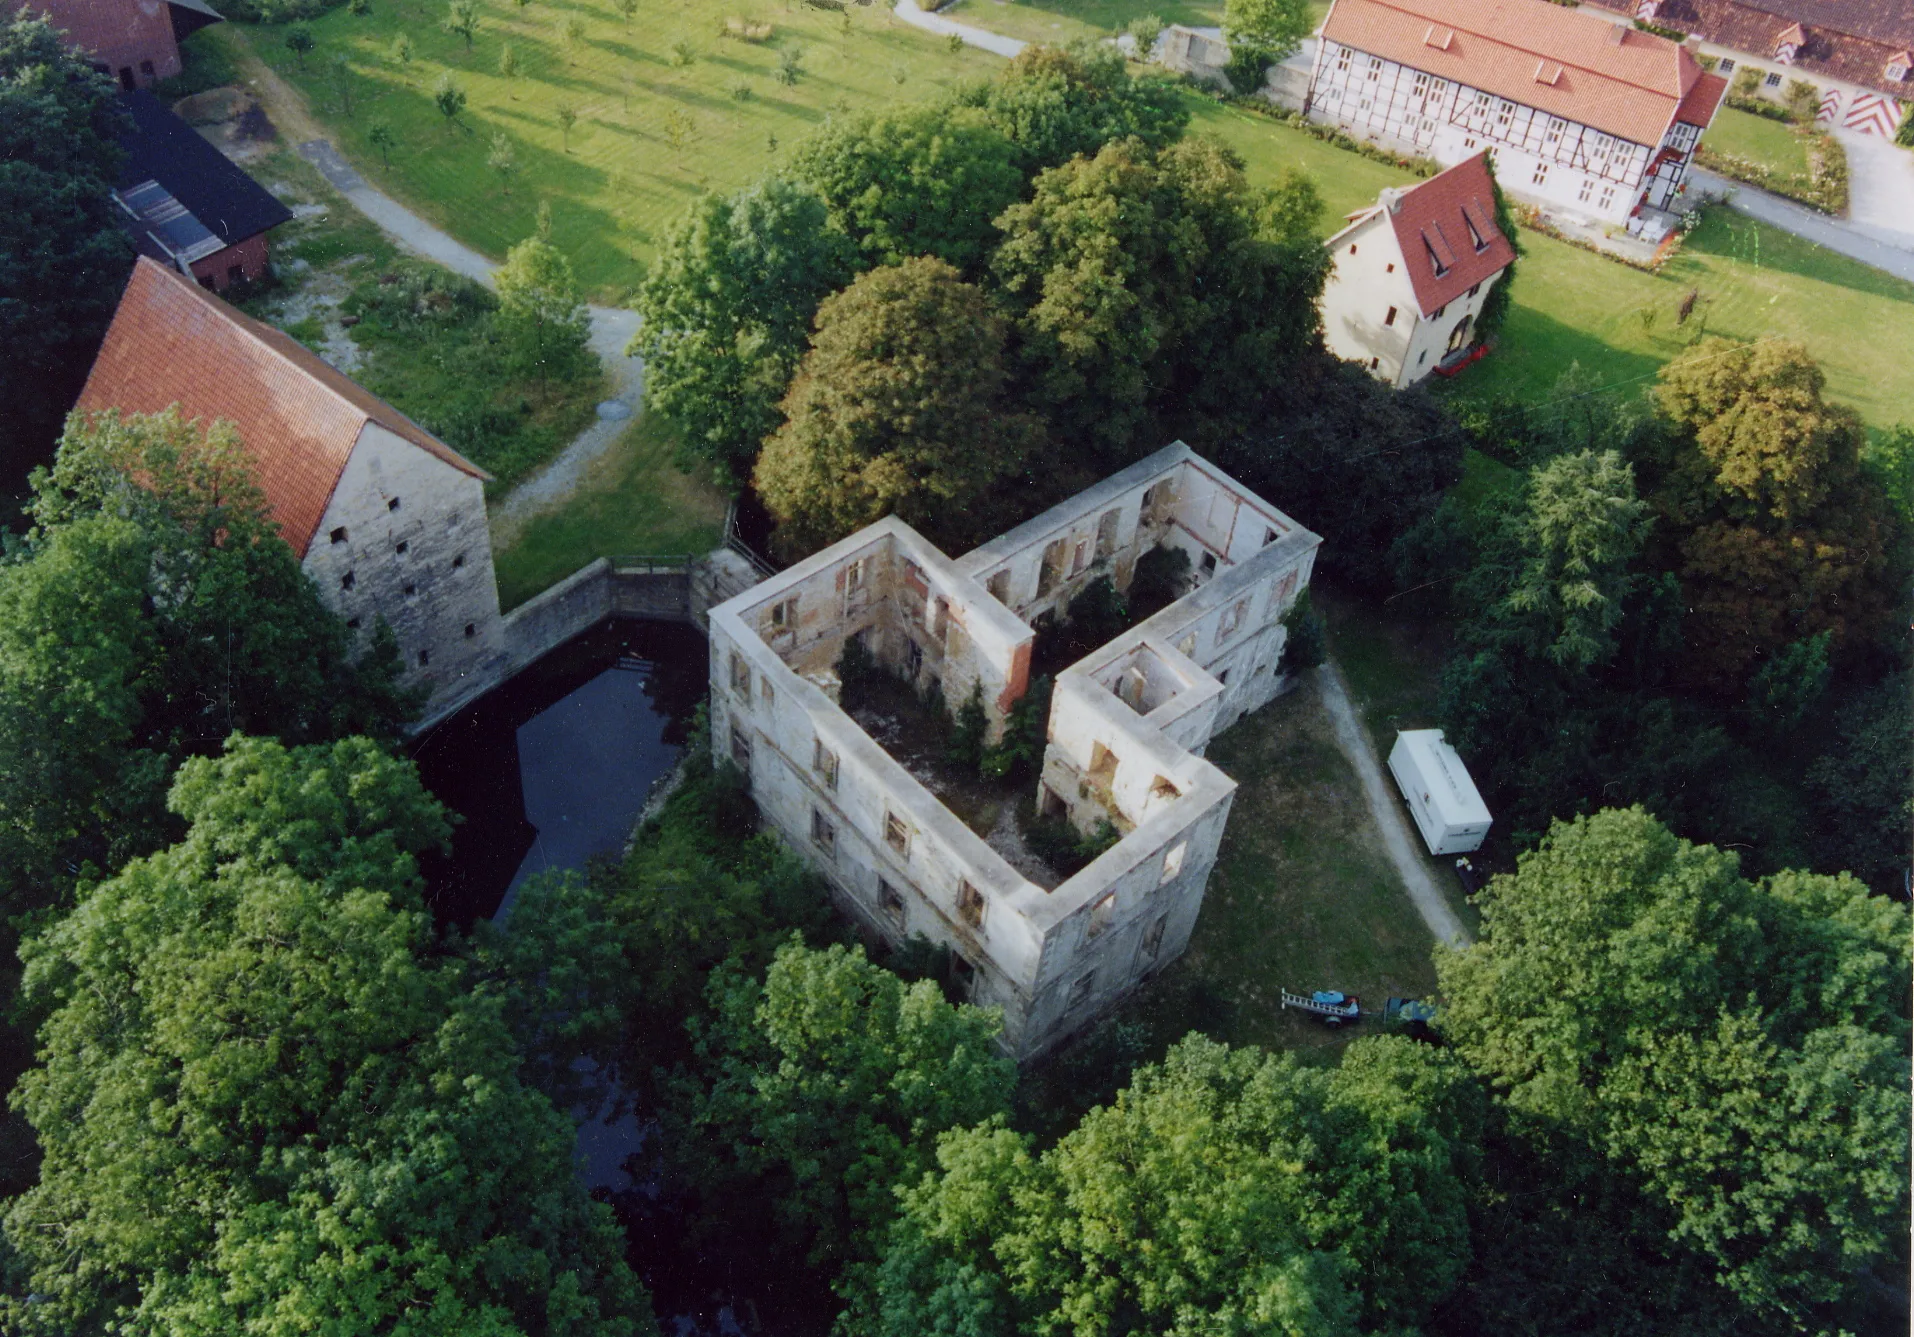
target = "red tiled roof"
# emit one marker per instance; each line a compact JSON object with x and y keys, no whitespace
{"x":1441,"y":220}
{"x":1703,"y":101}
{"x":171,"y":342}
{"x":1616,"y":79}
{"x":1851,"y":40}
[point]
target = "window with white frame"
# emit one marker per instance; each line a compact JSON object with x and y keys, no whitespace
{"x":1541,"y":175}
{"x":1773,"y":80}
{"x":1726,"y":66}
{"x":1608,"y":197}
{"x":1342,"y":59}
{"x":1504,"y":113}
{"x":1553,"y":135}
{"x":1375,"y":68}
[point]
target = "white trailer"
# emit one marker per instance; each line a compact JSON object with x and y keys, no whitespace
{"x":1442,"y":798}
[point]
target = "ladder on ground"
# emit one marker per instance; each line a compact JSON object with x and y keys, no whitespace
{"x":1349,"y":1009}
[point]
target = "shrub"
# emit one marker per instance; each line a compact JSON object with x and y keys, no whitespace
{"x":1160,"y":577}
{"x":1144,"y":31}
{"x":967,"y":730}
{"x":1307,"y":645}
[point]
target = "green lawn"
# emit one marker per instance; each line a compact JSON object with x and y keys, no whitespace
{"x":1758,"y":139}
{"x":633,"y":501}
{"x":1062,"y":21}
{"x":1302,"y":897}
{"x":651,"y":135}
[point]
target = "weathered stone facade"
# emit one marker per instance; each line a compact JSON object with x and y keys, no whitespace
{"x":1127,"y":727}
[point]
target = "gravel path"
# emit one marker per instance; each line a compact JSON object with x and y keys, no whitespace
{"x":1834,"y":234}
{"x":1880,"y":188}
{"x":981,"y":38}
{"x":611,"y":331}
{"x":1397,"y":839}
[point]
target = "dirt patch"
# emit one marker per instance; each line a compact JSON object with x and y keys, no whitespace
{"x":314,"y":298}
{"x":213,"y":106}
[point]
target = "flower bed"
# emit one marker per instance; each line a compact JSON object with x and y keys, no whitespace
{"x":1823,"y":187}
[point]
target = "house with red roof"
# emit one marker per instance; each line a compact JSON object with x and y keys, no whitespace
{"x":134,"y":41}
{"x":1411,"y":273}
{"x":386,"y":519}
{"x":1858,"y":54}
{"x":1585,"y":116}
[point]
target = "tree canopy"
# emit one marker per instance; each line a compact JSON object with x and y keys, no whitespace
{"x":1737,"y":1050}
{"x":900,"y":407}
{"x":63,"y":255}
{"x":540,"y":312}
{"x":1055,"y":105}
{"x":152,"y":610}
{"x":1223,"y":1191}
{"x":726,"y":308}
{"x":266,"y":1104}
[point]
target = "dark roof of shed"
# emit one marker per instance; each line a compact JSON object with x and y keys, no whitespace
{"x":161,"y":147}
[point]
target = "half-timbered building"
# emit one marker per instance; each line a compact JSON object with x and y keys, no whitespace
{"x":1583,"y":115}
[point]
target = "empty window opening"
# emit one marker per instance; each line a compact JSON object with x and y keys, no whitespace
{"x":1050,"y":803}
{"x":425,"y":657}
{"x":339,"y":534}
{"x":999,"y":587}
{"x":409,"y":591}
{"x":1102,"y":915}
{"x":741,"y":748}
{"x":766,"y":693}
{"x":458,"y":562}
{"x":1153,"y":937}
{"x":1079,"y":555}
{"x":1106,"y":535}
{"x":740,"y":675}
{"x":823,"y":832}
{"x":471,"y":630}
{"x":897,"y":834}
{"x":824,"y":762}
{"x":890,"y":903}
{"x":393,"y":504}
{"x":913,"y":659}
{"x":1173,"y":862}
{"x":1080,"y":991}
{"x":970,"y":904}
{"x":1103,"y":764}
{"x":856,"y":573}
{"x":963,"y":975}
{"x":352,"y":624}
{"x":1053,"y":557}
{"x":347,"y":581}
{"x":1208,"y":565}
{"x":1164,"y":787}
{"x":784,"y":614}
{"x":1270,"y":536}
{"x":402,"y":547}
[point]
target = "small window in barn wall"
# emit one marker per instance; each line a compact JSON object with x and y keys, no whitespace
{"x":823,"y":832}
{"x":471,"y":630}
{"x":970,"y":904}
{"x":393,"y":504}
{"x":339,"y":534}
{"x":347,"y":581}
{"x":402,"y":547}
{"x":458,"y":562}
{"x":352,"y":624}
{"x":1173,"y":863}
{"x":410,"y":590}
{"x":425,"y":657}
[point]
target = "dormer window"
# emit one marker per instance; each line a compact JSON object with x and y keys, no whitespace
{"x":1475,"y":237}
{"x":1898,"y":65}
{"x":1435,"y":261}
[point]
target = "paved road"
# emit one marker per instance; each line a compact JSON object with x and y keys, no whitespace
{"x":981,"y":38}
{"x":1834,"y":234}
{"x":611,"y":331}
{"x":1402,"y":845}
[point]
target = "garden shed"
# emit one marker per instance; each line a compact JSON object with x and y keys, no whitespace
{"x":1442,"y":798}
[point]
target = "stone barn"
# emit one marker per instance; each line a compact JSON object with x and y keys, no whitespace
{"x":134,"y":41}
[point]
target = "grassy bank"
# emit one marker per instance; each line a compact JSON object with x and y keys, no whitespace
{"x":666,"y":108}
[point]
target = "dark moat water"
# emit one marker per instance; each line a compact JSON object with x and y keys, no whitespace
{"x":552,"y":769}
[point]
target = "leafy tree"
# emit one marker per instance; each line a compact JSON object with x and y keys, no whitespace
{"x":449,"y":98}
{"x":267,"y":1105}
{"x":63,"y":256}
{"x":898,"y":407}
{"x":1862,"y":787}
{"x":914,"y":181}
{"x":726,"y":308}
{"x":567,"y":117}
{"x":1262,"y":33}
{"x":153,"y":609}
{"x":1224,"y":1191}
{"x":1737,"y":1051}
{"x":1580,"y":529}
{"x":1501,"y":294}
{"x":502,"y":159}
{"x":402,"y":50}
{"x":299,"y":42}
{"x":1356,"y":462}
{"x":380,"y":136}
{"x":1765,"y":513}
{"x":540,"y":313}
{"x":1147,"y":284}
{"x":574,"y":34}
{"x":627,"y":9}
{"x":1054,"y":105}
{"x":507,"y":61}
{"x":820,"y":1089}
{"x":461,"y":20}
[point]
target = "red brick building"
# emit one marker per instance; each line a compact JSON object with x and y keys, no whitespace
{"x":187,"y":205}
{"x":135,"y":41}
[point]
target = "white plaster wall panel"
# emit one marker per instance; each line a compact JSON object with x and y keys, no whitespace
{"x":412,"y":547}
